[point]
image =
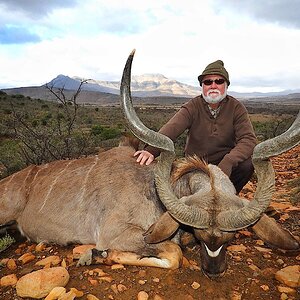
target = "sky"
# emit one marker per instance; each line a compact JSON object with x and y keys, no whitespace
{"x":258,"y":41}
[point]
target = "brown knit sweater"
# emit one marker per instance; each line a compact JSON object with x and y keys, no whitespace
{"x":225,"y":140}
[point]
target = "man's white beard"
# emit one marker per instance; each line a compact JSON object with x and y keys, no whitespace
{"x":215,"y":98}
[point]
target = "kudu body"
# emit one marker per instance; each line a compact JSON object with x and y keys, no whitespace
{"x":131,"y":212}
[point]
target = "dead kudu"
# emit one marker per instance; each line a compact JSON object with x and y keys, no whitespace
{"x":133,"y":213}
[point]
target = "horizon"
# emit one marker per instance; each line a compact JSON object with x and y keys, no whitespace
{"x":289,"y":91}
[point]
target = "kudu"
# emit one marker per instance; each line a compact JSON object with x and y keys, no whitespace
{"x":133,"y":213}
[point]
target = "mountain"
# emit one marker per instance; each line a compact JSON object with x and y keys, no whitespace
{"x":147,"y":85}
{"x":147,"y":88}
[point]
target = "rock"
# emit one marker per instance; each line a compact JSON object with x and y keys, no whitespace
{"x":77,"y":292}
{"x":68,"y":296}
{"x":235,"y":296}
{"x":40,"y":247}
{"x":26,"y":258}
{"x":290,"y":276}
{"x":117,"y":266}
{"x":53,"y":260}
{"x":91,"y":297}
{"x":113,"y":287}
{"x":261,"y":249}
{"x":286,"y":290}
{"x":195,"y":285}
{"x":284,"y":296}
{"x":56,"y":293}
{"x":11,"y":264}
{"x":142,"y":295}
{"x":106,"y":278}
{"x":39,"y":284}
{"x":8,"y":280}
{"x":79,"y":250}
{"x":265,"y":287}
{"x":237,"y":248}
{"x":254,"y":268}
{"x":121,"y":288}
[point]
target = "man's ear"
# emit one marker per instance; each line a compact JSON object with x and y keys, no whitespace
{"x":161,"y":230}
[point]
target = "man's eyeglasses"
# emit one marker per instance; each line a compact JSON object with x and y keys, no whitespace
{"x":216,"y":81}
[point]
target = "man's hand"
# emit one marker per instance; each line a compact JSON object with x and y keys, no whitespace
{"x":144,"y":157}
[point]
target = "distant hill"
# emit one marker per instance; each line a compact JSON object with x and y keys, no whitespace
{"x":147,"y":88}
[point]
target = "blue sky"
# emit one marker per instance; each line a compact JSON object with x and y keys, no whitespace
{"x":259,"y":41}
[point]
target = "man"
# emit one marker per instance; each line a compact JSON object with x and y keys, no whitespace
{"x":219,"y":128}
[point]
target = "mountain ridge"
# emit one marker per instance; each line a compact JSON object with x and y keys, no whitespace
{"x":142,"y":86}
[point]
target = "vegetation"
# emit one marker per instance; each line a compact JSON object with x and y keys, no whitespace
{"x":34,"y":131}
{"x":5,"y":242}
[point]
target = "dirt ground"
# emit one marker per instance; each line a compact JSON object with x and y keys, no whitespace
{"x":250,"y":273}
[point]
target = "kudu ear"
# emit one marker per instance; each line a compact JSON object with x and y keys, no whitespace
{"x":274,"y":235}
{"x":161,"y":230}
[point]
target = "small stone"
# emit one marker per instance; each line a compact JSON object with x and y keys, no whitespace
{"x":52,"y":260}
{"x":195,"y":285}
{"x":286,"y":290}
{"x":79,"y":250}
{"x":63,"y":263}
{"x":260,"y":242}
{"x":261,"y":249}
{"x":155,"y":280}
{"x":8,"y":280}
{"x":68,"y":296}
{"x":40,"y":247}
{"x":77,"y":292}
{"x":237,"y":248}
{"x":3,"y":262}
{"x":284,"y":296}
{"x":185,"y":262}
{"x":158,"y":297}
{"x":142,"y":295}
{"x":99,"y":272}
{"x":113,"y":287}
{"x":108,"y":279}
{"x":11,"y":264}
{"x":280,"y":261}
{"x":254,"y":268}
{"x":93,"y":281}
{"x":91,"y":297}
{"x":235,"y":296}
{"x":121,"y":288}
{"x":31,"y":247}
{"x":117,"y":266}
{"x":26,"y":258}
{"x":39,"y":284}
{"x":290,"y":276}
{"x":55,"y":293}
{"x":142,"y":282}
{"x":265,"y":287}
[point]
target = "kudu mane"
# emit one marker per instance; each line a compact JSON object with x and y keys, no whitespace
{"x":188,"y":164}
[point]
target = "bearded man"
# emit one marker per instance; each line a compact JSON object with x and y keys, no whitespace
{"x":219,"y":128}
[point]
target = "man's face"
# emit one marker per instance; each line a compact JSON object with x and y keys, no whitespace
{"x":214,"y":88}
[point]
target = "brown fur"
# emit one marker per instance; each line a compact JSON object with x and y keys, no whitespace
{"x":187,"y":165}
{"x":129,"y":141}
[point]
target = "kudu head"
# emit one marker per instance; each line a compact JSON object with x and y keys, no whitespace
{"x":213,"y":212}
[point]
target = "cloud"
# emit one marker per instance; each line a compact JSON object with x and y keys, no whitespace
{"x":17,"y":35}
{"x":36,"y":8}
{"x":282,"y":12}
